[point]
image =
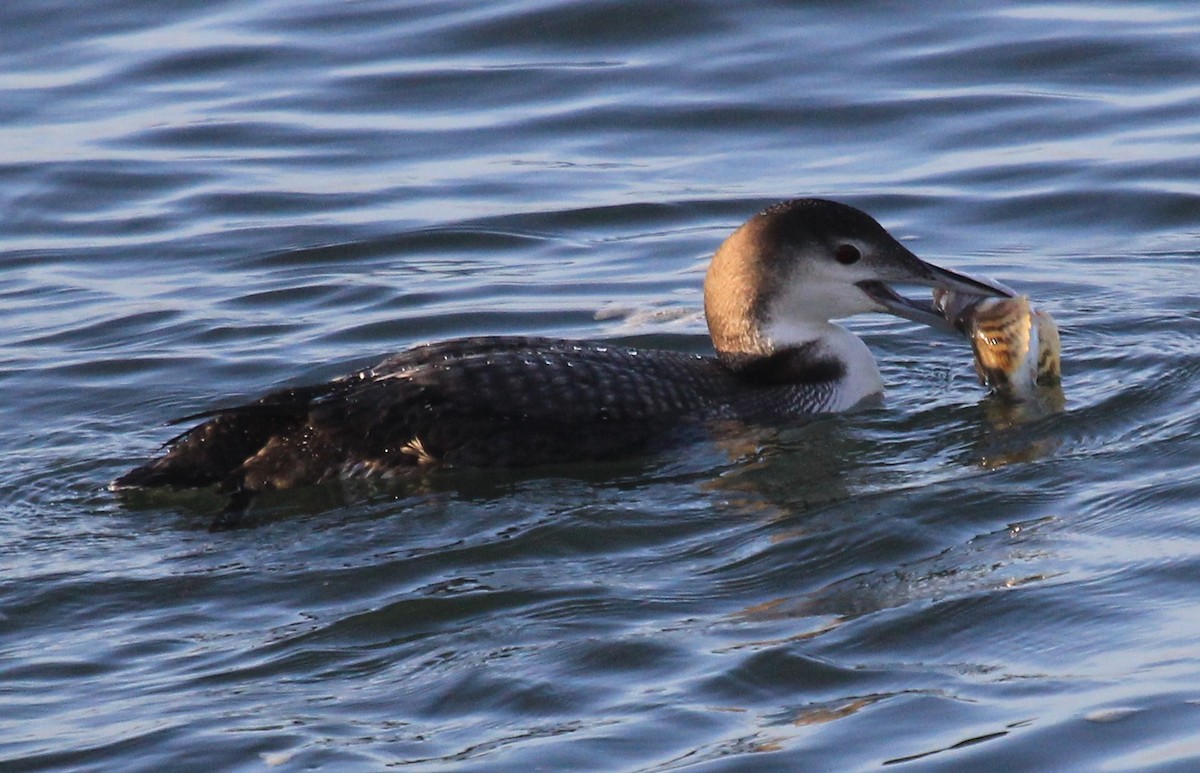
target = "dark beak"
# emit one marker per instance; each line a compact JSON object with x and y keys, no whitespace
{"x":918,"y":272}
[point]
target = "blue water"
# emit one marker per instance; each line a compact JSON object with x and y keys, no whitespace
{"x":204,"y":201}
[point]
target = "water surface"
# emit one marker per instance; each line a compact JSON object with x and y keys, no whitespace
{"x":204,"y":201}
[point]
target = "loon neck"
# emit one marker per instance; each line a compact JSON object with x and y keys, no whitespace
{"x":821,"y":356}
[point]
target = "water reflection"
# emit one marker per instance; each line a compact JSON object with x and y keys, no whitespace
{"x":1021,"y":431}
{"x":996,"y":561}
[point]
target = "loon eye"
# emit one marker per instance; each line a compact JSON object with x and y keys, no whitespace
{"x":847,"y":254}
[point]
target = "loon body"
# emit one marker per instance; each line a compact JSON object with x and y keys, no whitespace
{"x":771,"y":290}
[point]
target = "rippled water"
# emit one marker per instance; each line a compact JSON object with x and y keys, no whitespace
{"x":203,"y":201}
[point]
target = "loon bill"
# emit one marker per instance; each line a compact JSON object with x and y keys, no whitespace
{"x":771,"y":290}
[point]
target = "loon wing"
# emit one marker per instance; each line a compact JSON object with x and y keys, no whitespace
{"x":489,"y":401}
{"x":518,"y":402}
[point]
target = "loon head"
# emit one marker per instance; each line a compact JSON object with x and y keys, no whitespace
{"x":780,"y":278}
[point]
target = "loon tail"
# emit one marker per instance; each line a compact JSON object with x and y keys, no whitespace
{"x":215,"y":452}
{"x":212,"y":452}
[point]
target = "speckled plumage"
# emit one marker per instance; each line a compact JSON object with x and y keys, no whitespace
{"x":490,"y":402}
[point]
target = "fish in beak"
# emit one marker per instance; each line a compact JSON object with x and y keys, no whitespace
{"x":920,"y":273}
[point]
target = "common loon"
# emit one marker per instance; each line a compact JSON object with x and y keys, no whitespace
{"x":771,"y":290}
